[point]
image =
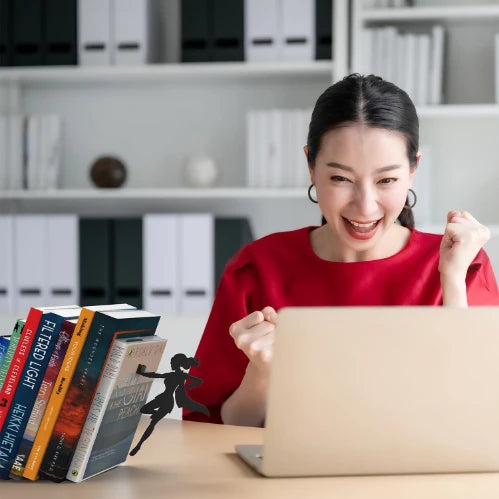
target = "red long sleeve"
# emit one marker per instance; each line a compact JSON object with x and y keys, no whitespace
{"x":282,"y":270}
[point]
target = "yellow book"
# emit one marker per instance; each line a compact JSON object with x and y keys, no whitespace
{"x":61,"y":386}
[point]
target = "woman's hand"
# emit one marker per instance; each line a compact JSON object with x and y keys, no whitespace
{"x":463,"y":238}
{"x":254,"y":335}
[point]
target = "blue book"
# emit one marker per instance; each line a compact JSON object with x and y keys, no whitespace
{"x":29,"y":384}
{"x":4,"y":345}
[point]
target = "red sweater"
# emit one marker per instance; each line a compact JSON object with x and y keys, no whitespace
{"x":282,"y":270}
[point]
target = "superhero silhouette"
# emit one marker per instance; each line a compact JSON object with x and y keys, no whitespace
{"x":175,"y":392}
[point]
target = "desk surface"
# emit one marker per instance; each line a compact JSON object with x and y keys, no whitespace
{"x":196,"y":460}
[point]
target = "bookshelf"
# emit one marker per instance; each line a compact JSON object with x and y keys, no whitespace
{"x":155,"y":116}
{"x":460,"y":132}
{"x":163,"y":73}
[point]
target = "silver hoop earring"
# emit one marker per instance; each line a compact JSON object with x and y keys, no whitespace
{"x":410,"y":206}
{"x":310,"y":195}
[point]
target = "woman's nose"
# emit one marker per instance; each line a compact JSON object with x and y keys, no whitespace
{"x":365,"y":199}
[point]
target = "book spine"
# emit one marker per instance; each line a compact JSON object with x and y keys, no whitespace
{"x":96,"y":412}
{"x":57,"y":396}
{"x":69,"y":424}
{"x":14,"y":340}
{"x":42,"y":398}
{"x":17,"y":365}
{"x":4,"y":346}
{"x":25,"y":396}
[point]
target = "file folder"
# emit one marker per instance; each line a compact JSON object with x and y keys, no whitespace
{"x":27,"y":32}
{"x":196,"y":31}
{"x":130,"y":32}
{"x":94,"y":32}
{"x":231,"y":234}
{"x":196,"y":264}
{"x":4,"y":158}
{"x":261,"y":27}
{"x":228,"y":30}
{"x":31,"y":256}
{"x":15,"y":137}
{"x":323,"y":29}
{"x":161,"y":263}
{"x":7,"y":264}
{"x":59,"y":21}
{"x":127,"y":262}
{"x":297,"y":30}
{"x":95,"y":261}
{"x":5,"y":33}
{"x":62,"y":260}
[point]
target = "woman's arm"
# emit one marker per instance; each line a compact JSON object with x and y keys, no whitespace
{"x":453,"y":291}
{"x":247,"y":405}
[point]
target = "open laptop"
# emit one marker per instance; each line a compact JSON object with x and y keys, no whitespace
{"x":381,"y":390}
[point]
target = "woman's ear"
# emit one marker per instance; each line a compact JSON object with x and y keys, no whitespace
{"x":310,"y":168}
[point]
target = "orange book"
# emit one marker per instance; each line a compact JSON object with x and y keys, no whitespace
{"x":61,"y":387}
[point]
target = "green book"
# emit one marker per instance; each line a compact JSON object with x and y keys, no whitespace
{"x":14,"y":339}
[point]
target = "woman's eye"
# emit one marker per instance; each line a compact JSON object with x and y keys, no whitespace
{"x":339,"y":179}
{"x":383,"y":180}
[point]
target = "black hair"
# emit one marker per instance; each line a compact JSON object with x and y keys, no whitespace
{"x":181,"y":360}
{"x":372,"y":101}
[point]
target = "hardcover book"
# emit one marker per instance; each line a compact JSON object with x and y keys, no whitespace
{"x":14,"y":340}
{"x":105,"y":328}
{"x":113,"y":417}
{"x":30,"y":380}
{"x":64,"y":378}
{"x":4,"y":345}
{"x":19,"y":359}
{"x":43,"y":396}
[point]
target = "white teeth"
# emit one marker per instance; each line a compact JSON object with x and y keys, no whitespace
{"x":362,"y":225}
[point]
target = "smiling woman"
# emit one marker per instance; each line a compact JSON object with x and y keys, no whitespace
{"x":362,"y":155}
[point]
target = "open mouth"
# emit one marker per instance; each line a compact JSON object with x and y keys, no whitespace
{"x":362,"y":228}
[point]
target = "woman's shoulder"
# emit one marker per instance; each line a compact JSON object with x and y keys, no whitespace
{"x":269,"y":247}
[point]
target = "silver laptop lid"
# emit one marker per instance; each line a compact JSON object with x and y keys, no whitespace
{"x":368,"y":390}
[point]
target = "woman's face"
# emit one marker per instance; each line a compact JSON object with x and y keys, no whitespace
{"x":361,"y":175}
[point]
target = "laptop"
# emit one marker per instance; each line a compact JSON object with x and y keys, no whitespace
{"x":381,"y":390}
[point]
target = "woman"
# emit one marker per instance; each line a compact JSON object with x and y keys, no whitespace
{"x":362,"y":154}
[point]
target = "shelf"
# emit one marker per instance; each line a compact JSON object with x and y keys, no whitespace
{"x":164,"y":72}
{"x":484,"y":12}
{"x":157,"y":194}
{"x":459,"y":110}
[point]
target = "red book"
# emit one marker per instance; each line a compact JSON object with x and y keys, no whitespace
{"x":19,"y":359}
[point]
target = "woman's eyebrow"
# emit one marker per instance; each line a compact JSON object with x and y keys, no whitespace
{"x":333,"y":164}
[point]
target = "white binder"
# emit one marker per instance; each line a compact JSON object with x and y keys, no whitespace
{"x":4,"y":161}
{"x":297,"y":34}
{"x":422,"y":69}
{"x":30,"y":250}
{"x":62,"y":268}
{"x":33,"y":140}
{"x":7,"y":264}
{"x":261,"y":30}
{"x":15,"y":151}
{"x":197,"y":262}
{"x":94,"y":32}
{"x":160,"y":263}
{"x":437,"y":64}
{"x":129,"y":44}
{"x":251,"y":149}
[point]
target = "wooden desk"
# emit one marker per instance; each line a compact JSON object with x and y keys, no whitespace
{"x":195,"y":460}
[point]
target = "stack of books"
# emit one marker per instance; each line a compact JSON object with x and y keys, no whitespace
{"x":70,"y":395}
